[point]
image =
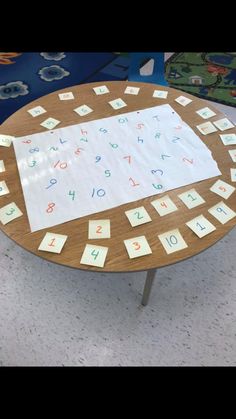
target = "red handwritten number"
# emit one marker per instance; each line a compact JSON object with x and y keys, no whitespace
{"x":26,"y":142}
{"x":136,"y":245}
{"x":187,"y":160}
{"x":222,"y":188}
{"x":52,"y":242}
{"x":128,"y":158}
{"x":99,"y":228}
{"x":62,"y":165}
{"x":140,"y":126}
{"x":50,"y":207}
{"x":78,"y":150}
{"x":133,"y":182}
{"x":163,"y":204}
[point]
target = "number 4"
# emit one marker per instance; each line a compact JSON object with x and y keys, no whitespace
{"x":95,"y":254}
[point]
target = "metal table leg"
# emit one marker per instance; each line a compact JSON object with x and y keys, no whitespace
{"x":148,"y":285}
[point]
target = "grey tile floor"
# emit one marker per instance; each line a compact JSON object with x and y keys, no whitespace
{"x":51,"y":315}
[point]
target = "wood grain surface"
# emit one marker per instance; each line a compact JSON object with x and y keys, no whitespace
{"x":22,"y":123}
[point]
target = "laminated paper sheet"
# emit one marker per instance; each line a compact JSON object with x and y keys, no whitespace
{"x":89,"y":167}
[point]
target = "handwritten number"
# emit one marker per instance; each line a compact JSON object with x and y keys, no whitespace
{"x":172,"y":240}
{"x":12,"y":210}
{"x":139,"y":217}
{"x":72,"y":193}
{"x":95,"y":254}
{"x":34,"y":150}
{"x":50,"y":207}
{"x":52,"y":182}
{"x":136,"y":245}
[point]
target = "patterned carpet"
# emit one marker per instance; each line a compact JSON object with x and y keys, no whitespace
{"x":209,"y":75}
{"x":26,"y":76}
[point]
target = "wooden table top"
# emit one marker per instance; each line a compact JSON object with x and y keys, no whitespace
{"x":22,"y":123}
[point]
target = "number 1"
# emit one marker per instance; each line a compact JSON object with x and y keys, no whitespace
{"x":52,"y":242}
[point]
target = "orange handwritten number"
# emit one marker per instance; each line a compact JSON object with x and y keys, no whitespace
{"x":99,"y":228}
{"x":136,"y":245}
{"x":52,"y":242}
{"x":222,"y":188}
{"x":50,"y":207}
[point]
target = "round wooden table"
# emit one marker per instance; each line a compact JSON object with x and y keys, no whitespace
{"x":22,"y":123}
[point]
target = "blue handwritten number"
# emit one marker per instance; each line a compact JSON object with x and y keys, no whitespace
{"x":103,"y":130}
{"x":219,"y":209}
{"x":172,"y":240}
{"x":33,"y":150}
{"x":100,"y":192}
{"x":52,"y":182}
{"x":157,"y":170}
{"x":202,"y":228}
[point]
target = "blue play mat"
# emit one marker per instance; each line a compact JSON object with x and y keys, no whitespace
{"x":27,"y":76}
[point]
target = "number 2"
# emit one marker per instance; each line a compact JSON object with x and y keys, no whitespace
{"x":192,"y":197}
{"x":139,"y":217}
{"x":99,"y":229}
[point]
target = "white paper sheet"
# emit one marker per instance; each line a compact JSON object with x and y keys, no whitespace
{"x":89,"y":167}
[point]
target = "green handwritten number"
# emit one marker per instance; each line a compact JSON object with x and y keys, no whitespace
{"x":72,"y":193}
{"x":12,"y":210}
{"x":193,"y":199}
{"x":139,"y":217}
{"x":95,"y":254}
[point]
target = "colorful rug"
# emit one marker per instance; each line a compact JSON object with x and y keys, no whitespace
{"x":209,"y":75}
{"x":27,"y":76}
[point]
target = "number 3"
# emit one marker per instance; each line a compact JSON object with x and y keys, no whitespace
{"x":136,"y":245}
{"x":12,"y":210}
